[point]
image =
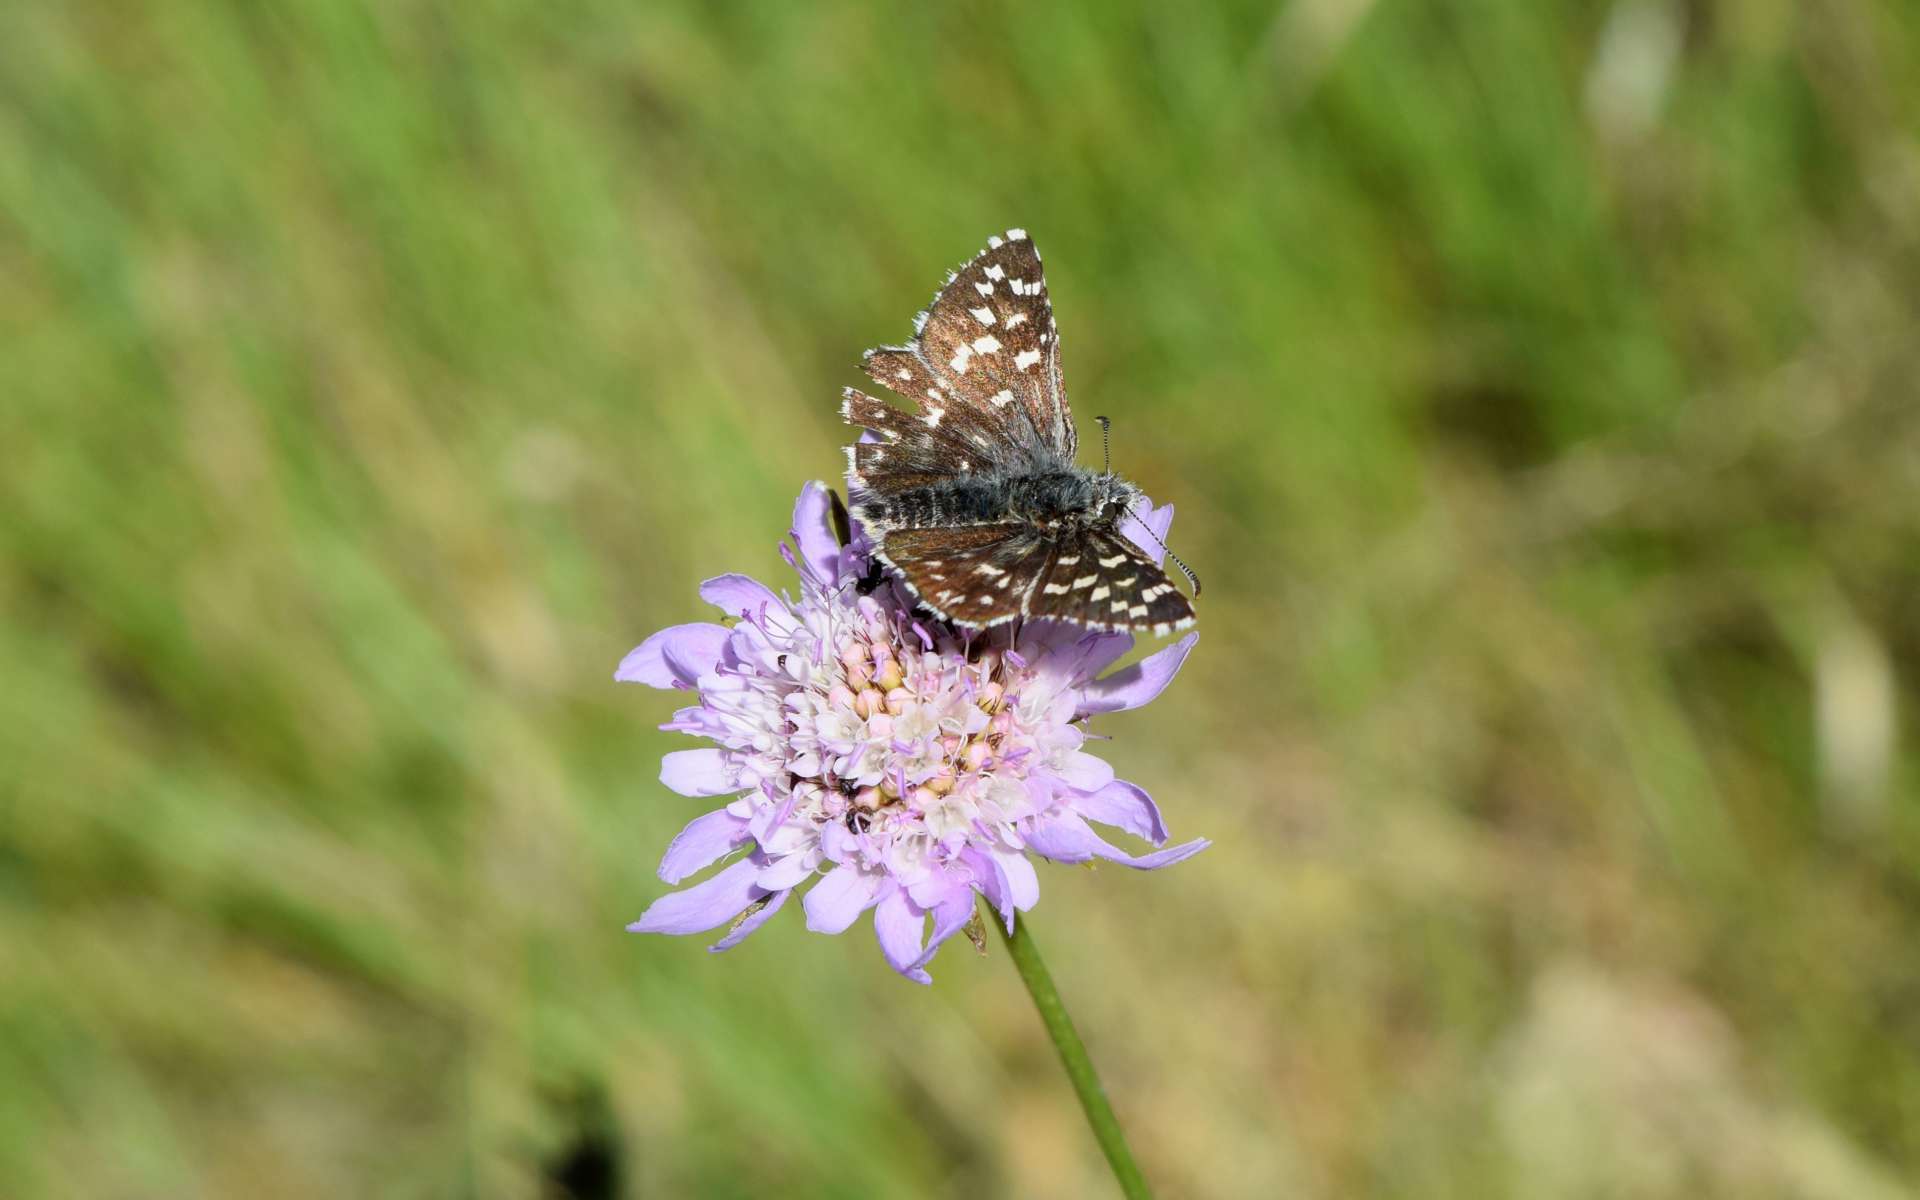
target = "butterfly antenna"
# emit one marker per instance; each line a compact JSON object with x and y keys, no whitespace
{"x":1106,"y":445}
{"x":1187,"y":571}
{"x":1184,"y":568}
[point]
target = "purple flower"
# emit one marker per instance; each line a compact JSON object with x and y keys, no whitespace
{"x":892,"y":763}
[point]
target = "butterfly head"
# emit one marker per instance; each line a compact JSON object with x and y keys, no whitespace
{"x":1113,"y":498}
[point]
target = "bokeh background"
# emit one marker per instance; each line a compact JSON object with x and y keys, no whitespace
{"x":1536,"y":383}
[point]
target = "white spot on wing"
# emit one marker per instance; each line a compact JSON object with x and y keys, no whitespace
{"x":1086,"y":581}
{"x":986,"y":344}
{"x":1115,"y":561}
{"x":1016,"y":319}
{"x":994,"y":271}
{"x":985,"y":289}
{"x":982,"y":315}
{"x":1026,"y":358}
{"x":1016,"y":235}
{"x":1055,"y":589}
{"x":1001,"y":398}
{"x":1099,"y":593}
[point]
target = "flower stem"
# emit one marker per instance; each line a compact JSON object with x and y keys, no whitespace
{"x":1073,"y":1055}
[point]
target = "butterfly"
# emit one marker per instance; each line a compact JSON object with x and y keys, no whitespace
{"x":973,"y":498}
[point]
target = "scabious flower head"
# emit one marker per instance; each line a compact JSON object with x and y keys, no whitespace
{"x":892,"y":762}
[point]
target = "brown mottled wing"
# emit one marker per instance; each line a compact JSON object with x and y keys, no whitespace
{"x":984,"y":365}
{"x":908,"y":454}
{"x":1103,"y":581}
{"x":976,"y":575}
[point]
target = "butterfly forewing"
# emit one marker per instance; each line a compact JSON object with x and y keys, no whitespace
{"x":986,"y":358}
{"x":1101,"y":580}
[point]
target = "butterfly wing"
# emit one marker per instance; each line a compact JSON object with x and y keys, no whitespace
{"x":1101,"y":580}
{"x":974,"y":575}
{"x":984,"y":364}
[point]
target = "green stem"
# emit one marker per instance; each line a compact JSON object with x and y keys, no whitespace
{"x":1073,"y":1055}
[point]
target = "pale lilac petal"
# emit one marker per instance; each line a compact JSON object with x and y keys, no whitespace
{"x":1064,"y":837}
{"x":900,"y":927}
{"x":1098,"y":652}
{"x":1083,"y":772}
{"x":1021,"y":881}
{"x":698,"y":773}
{"x":1125,"y":806}
{"x":1146,"y":527}
{"x":991,"y":881}
{"x":1139,"y":683}
{"x":813,"y":532}
{"x":1061,"y":839}
{"x":838,"y":900}
{"x":739,"y":932}
{"x":677,"y":656}
{"x":1162,"y":858}
{"x":783,"y":873}
{"x":701,"y":844}
{"x":949,"y":917}
{"x":703,"y":906}
{"x":738,"y":595}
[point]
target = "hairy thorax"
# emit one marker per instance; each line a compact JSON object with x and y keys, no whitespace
{"x":1053,"y":500}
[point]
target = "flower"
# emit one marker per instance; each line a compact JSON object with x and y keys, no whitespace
{"x":892,"y":762}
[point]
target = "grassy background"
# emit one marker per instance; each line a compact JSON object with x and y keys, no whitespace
{"x":1536,"y":384}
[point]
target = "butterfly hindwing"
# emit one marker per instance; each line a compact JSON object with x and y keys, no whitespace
{"x":908,"y":453}
{"x":974,"y":575}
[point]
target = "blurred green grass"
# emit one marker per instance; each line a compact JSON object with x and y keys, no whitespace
{"x":1535,"y":383}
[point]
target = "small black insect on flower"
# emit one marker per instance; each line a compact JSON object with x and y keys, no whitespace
{"x":974,"y":498}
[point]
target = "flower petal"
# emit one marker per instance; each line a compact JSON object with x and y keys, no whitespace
{"x":1125,"y":806}
{"x":1083,"y":772}
{"x":677,"y":656}
{"x":1139,"y":683}
{"x":1061,"y":839}
{"x":738,"y":595}
{"x":813,"y":533}
{"x":754,"y":921}
{"x":1146,"y":527}
{"x":703,"y":906}
{"x":701,"y":843}
{"x":838,"y":900}
{"x":949,"y":917}
{"x":1021,"y":883}
{"x":1098,"y":652}
{"x":788,"y":872}
{"x":1064,"y":837}
{"x":901,"y":927}
{"x":1159,"y":858}
{"x":698,"y":773}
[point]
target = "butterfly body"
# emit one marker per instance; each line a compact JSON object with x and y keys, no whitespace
{"x":974,"y":499}
{"x":1062,"y":502}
